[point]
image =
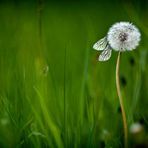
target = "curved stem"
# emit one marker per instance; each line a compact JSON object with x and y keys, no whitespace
{"x":121,"y":102}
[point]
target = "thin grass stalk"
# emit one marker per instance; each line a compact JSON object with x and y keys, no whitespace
{"x":65,"y":106}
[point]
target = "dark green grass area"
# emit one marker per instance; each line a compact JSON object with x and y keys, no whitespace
{"x":53,"y":91}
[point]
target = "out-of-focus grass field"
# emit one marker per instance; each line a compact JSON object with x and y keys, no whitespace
{"x":53,"y":91}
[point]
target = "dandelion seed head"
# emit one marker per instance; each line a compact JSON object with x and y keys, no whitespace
{"x":136,"y":128}
{"x":123,"y":36}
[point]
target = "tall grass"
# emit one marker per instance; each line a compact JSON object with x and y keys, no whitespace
{"x":53,"y":91}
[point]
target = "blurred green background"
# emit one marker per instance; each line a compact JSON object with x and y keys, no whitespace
{"x":53,"y":91}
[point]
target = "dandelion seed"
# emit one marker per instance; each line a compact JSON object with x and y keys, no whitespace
{"x":122,"y":36}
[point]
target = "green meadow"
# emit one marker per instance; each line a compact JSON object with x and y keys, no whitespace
{"x":54,"y":93}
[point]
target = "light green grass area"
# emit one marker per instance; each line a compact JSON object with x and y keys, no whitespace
{"x":53,"y":90}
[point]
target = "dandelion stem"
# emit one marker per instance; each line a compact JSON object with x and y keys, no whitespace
{"x":121,"y":102}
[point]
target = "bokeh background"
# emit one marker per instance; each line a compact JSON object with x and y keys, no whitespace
{"x":53,"y":91}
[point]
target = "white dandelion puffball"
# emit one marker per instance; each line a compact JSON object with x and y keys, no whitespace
{"x":123,"y":36}
{"x":136,"y":128}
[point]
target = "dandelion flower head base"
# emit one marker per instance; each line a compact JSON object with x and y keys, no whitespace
{"x":123,"y":36}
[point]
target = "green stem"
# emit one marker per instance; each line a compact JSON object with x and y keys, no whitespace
{"x":121,"y":102}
